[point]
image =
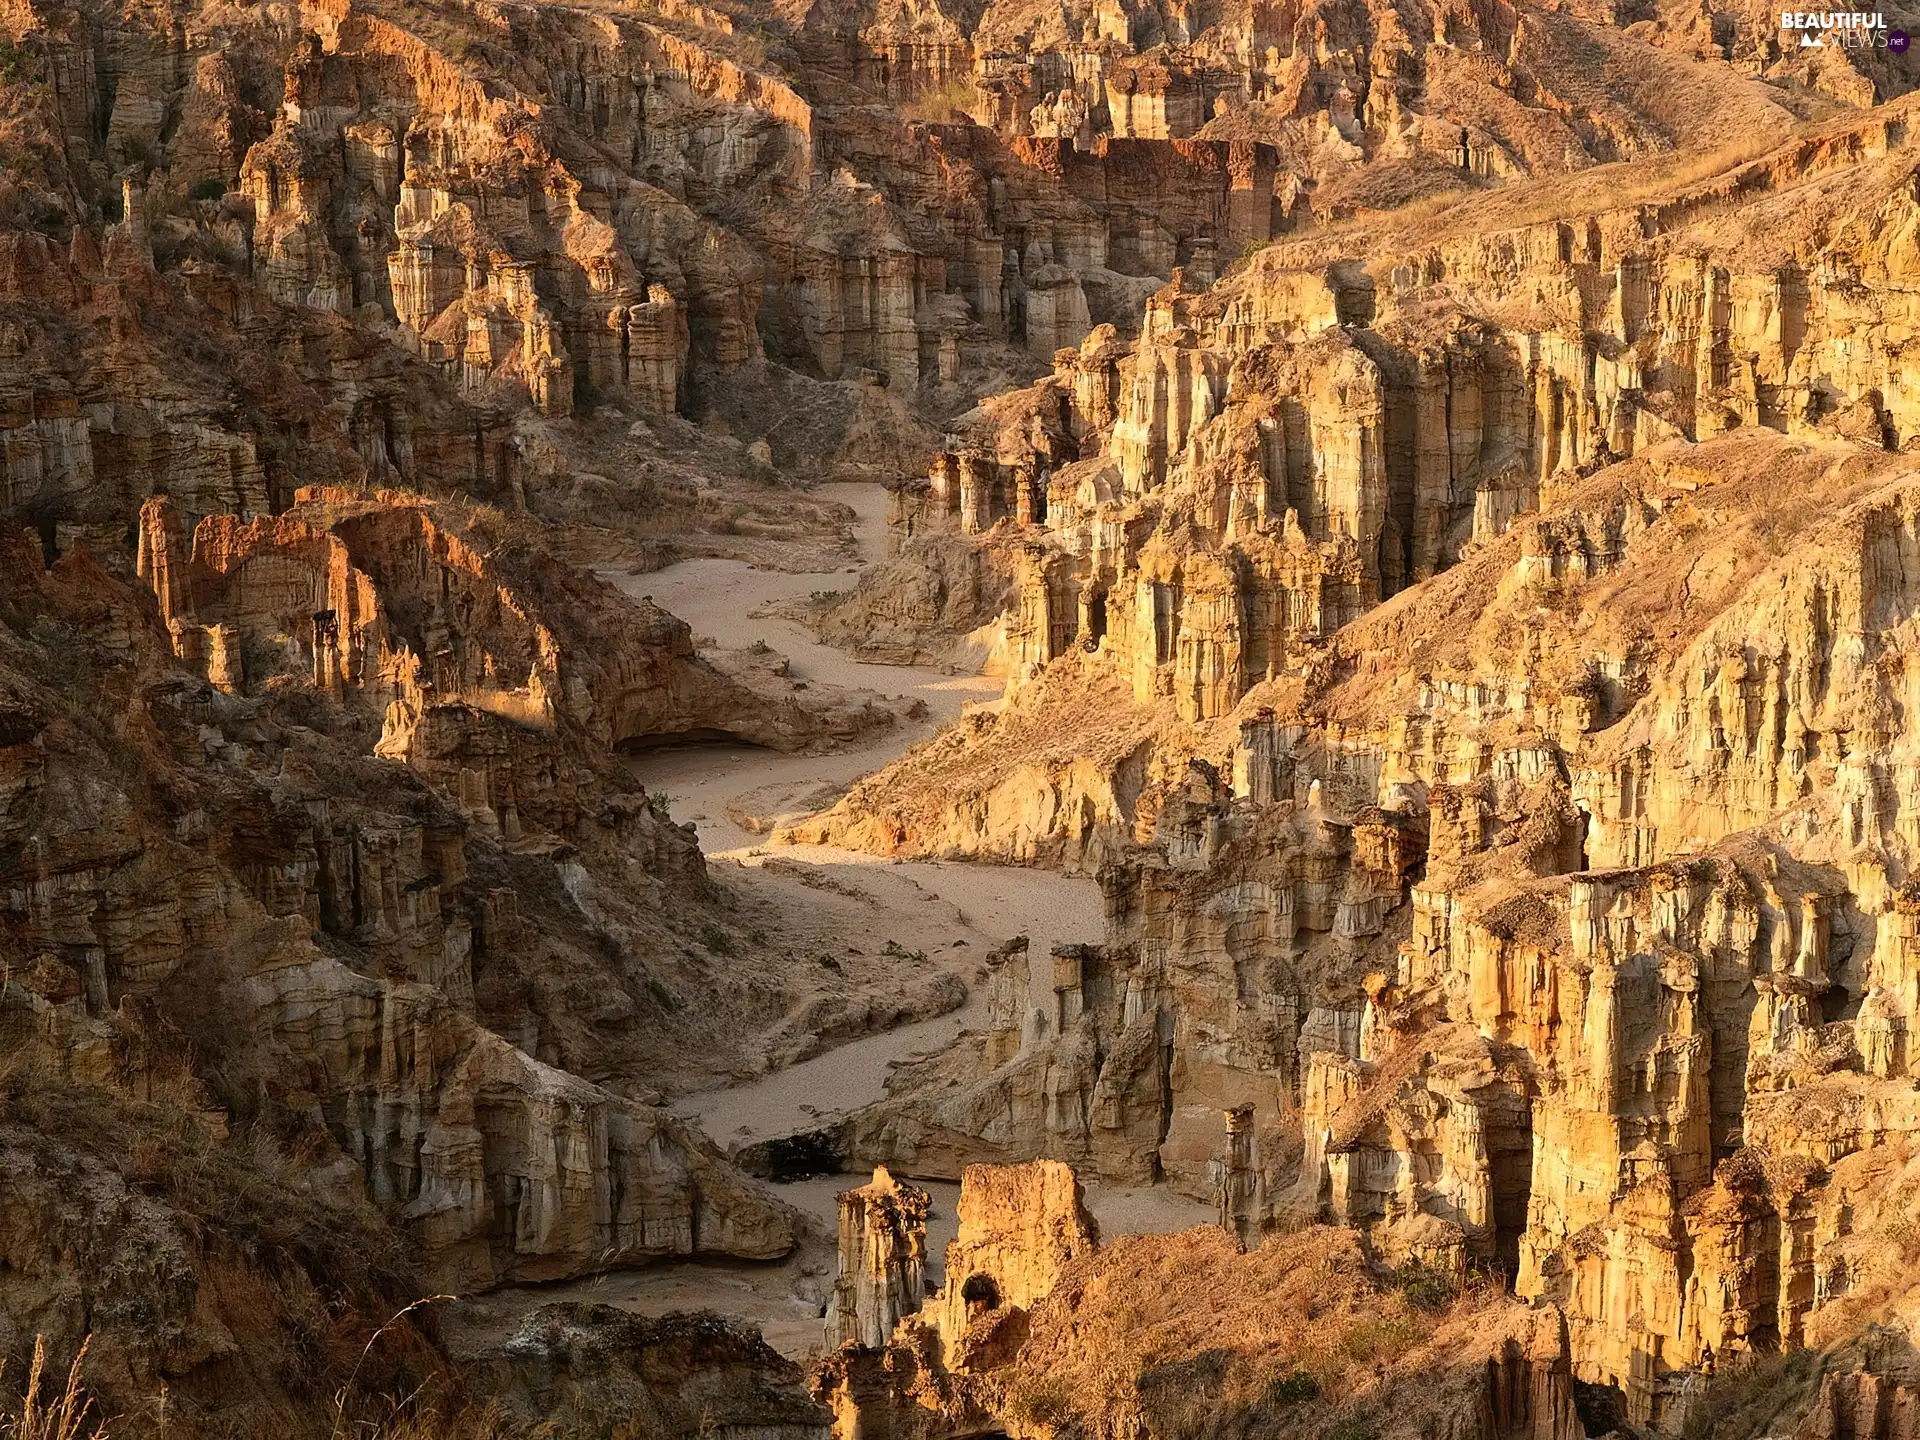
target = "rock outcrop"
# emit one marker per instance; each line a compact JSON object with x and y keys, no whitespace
{"x":570,"y":1365}
{"x":883,"y":1261}
{"x":383,"y":599}
{"x":1567,"y":933}
{"x":1507,"y":787}
{"x":1020,"y":1228}
{"x":1041,"y":1329}
{"x":243,"y":918}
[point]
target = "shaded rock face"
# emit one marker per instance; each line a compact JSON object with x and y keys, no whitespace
{"x":883,"y":1261}
{"x":328,"y":923}
{"x":376,"y":600}
{"x":573,"y":1366}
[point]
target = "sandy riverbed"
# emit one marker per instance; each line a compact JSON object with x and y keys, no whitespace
{"x":926,"y":906}
{"x":951,"y":912}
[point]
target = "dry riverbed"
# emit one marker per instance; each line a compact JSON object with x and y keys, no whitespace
{"x":951,"y":913}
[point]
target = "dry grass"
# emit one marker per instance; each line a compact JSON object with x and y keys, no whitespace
{"x":1744,"y":1401}
{"x":952,"y":103}
{"x":1184,"y":1337}
{"x":68,"y":1415}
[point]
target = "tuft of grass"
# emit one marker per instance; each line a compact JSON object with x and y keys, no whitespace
{"x":67,"y":1416}
{"x":1042,"y":1404}
{"x":952,"y":103}
{"x":1427,"y":1286}
{"x":345,"y":1392}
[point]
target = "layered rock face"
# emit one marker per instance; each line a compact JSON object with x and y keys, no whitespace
{"x":1500,"y":772}
{"x":563,"y":207}
{"x":373,"y":599}
{"x":1275,"y":456}
{"x":1559,"y":907}
{"x":1020,"y":1227}
{"x":569,"y":1365}
{"x":1230,"y":960}
{"x":1506,"y":843}
{"x":1202,"y":510}
{"x":883,"y":1261}
{"x":330,"y":921}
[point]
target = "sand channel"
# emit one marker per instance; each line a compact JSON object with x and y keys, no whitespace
{"x":951,"y":911}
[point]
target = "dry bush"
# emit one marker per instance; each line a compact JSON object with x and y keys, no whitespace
{"x":1743,"y":1401}
{"x":951,"y":103}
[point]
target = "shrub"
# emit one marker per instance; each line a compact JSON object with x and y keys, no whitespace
{"x":1744,"y":1400}
{"x":1294,"y":1388}
{"x":1042,"y":1404}
{"x":1427,"y":1286}
{"x":207,"y":190}
{"x":1380,"y":1337}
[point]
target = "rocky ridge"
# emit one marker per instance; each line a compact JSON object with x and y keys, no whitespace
{"x":1497,"y":782}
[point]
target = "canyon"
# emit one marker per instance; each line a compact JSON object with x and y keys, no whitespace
{"x":821,"y":719}
{"x":1497,"y":790}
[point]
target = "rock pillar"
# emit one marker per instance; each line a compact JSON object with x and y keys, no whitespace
{"x":883,"y":1261}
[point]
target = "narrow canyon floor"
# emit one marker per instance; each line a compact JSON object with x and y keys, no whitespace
{"x":950,"y":913}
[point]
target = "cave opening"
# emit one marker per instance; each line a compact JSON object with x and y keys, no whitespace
{"x":698,"y":736}
{"x":1510,"y":1176}
{"x":1838,"y":1003}
{"x":804,"y":1155}
{"x":980,"y":1294}
{"x":1602,"y":1409}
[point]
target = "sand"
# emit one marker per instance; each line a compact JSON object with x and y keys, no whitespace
{"x":953,"y":912}
{"x":950,"y":911}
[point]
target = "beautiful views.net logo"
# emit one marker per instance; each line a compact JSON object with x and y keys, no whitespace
{"x":1846,"y":29}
